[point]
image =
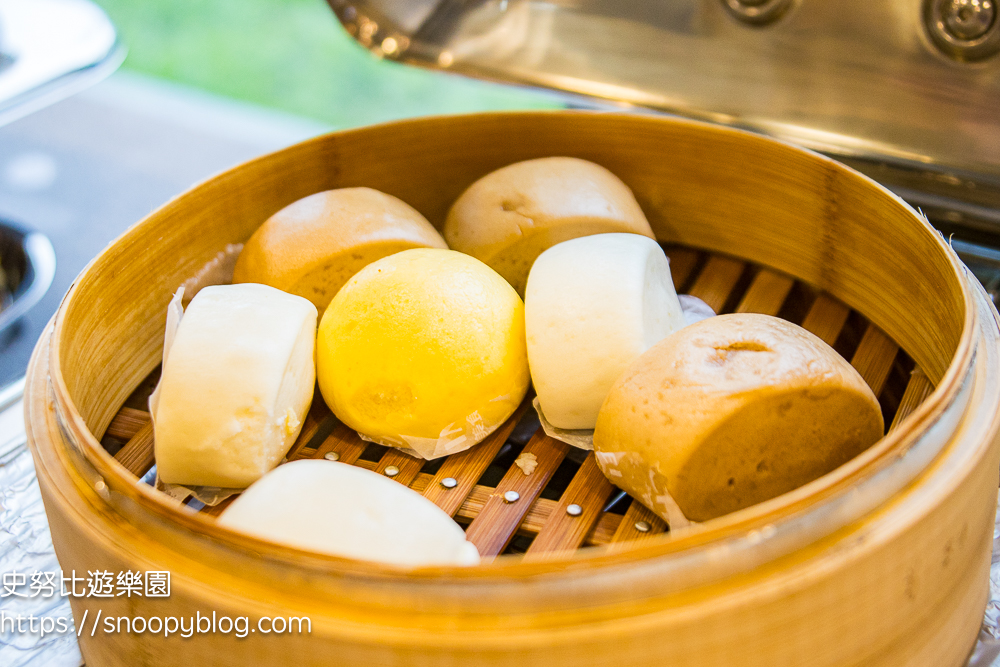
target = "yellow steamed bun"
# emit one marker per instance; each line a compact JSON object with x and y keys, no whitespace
{"x":424,"y":350}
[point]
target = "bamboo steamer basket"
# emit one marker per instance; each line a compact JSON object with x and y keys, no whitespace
{"x":883,"y":561}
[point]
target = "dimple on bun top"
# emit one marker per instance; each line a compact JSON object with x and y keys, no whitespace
{"x":510,"y":216}
{"x":732,"y":411}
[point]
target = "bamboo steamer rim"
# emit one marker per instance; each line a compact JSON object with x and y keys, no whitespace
{"x":94,"y":461}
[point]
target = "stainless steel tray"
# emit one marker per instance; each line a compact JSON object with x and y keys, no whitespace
{"x":27,"y":264}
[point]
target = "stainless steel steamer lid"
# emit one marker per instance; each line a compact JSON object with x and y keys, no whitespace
{"x":908,"y":91}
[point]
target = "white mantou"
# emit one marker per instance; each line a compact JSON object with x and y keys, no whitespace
{"x":592,"y":306}
{"x":347,"y":511}
{"x":237,"y":381}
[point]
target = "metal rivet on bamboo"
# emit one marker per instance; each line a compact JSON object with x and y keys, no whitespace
{"x":574,"y":510}
{"x":391,"y":471}
{"x":332,"y":456}
{"x":643,"y":526}
{"x":511,"y":497}
{"x":449,"y":482}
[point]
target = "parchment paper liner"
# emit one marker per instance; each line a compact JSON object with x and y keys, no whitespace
{"x":454,"y":438}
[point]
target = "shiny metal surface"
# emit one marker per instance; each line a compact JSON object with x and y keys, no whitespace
{"x":52,"y":49}
{"x":758,"y":12}
{"x":857,"y":79}
{"x":963,"y":29}
{"x":967,"y":19}
{"x":28,"y":264}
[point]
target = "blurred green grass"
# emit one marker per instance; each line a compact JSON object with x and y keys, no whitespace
{"x":291,"y":55}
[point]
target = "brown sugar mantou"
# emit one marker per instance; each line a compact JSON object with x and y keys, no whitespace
{"x":315,"y":245}
{"x":509,"y":217}
{"x":732,"y":411}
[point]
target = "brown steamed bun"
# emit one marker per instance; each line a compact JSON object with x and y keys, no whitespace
{"x":732,"y":411}
{"x":507,"y":218}
{"x":315,"y":245}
